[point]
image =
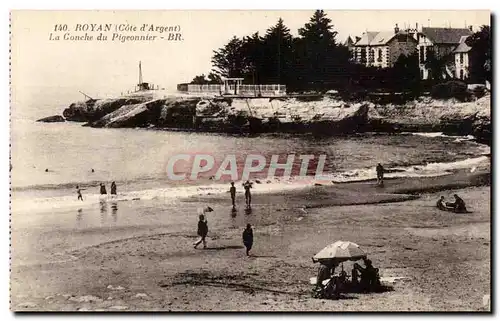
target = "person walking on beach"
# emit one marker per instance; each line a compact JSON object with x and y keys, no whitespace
{"x":248,"y":238}
{"x":202,"y":231}
{"x":380,"y":174}
{"x":103,"y":189}
{"x":113,"y":188}
{"x":248,"y":196}
{"x":232,"y":190}
{"x":79,"y":193}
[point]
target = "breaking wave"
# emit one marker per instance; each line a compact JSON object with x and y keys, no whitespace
{"x":172,"y":194}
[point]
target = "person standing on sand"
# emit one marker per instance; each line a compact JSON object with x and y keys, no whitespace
{"x":232,"y":190}
{"x":248,"y":238}
{"x":113,"y":188}
{"x":103,"y":189}
{"x":202,"y":231}
{"x":248,"y":196}
{"x":380,"y":174}
{"x":79,"y":193}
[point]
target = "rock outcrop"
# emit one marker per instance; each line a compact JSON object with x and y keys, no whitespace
{"x":134,"y":115}
{"x":316,"y":115}
{"x":92,"y":110}
{"x":52,"y":119}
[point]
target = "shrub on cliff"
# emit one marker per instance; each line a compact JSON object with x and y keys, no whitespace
{"x":451,"y":89}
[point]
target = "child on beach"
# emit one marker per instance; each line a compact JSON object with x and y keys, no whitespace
{"x":103,"y":189}
{"x":248,"y":238}
{"x":248,"y":196}
{"x":380,"y":174}
{"x":232,"y":190}
{"x":202,"y":231}
{"x":79,"y":193}
{"x":441,"y":204}
{"x":113,"y":188}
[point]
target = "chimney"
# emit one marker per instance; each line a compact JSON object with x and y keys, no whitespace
{"x":396,"y":28}
{"x":470,"y":28}
{"x":416,"y":26}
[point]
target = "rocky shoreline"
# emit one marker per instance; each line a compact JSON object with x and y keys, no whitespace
{"x":317,"y":115}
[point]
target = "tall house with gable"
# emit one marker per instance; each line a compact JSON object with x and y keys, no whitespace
{"x":383,"y":48}
{"x":447,"y":44}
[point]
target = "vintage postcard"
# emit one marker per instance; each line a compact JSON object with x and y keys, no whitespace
{"x":315,"y":160}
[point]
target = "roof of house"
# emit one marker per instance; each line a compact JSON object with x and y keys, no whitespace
{"x":445,"y":35}
{"x":349,"y":41}
{"x":366,"y":38}
{"x":374,"y":38}
{"x":462,"y":47}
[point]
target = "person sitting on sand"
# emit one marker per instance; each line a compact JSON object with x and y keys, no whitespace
{"x":232,"y":190}
{"x":202,"y":231}
{"x":441,"y":204}
{"x":368,"y":275}
{"x":459,"y":205}
{"x":325,"y":271}
{"x":248,"y":238}
{"x":380,"y":174}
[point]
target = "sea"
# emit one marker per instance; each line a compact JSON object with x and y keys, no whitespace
{"x":50,"y":159}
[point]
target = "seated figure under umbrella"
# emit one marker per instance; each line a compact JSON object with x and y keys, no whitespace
{"x":328,"y":285}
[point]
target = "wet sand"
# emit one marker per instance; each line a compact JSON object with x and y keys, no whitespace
{"x":150,"y":264}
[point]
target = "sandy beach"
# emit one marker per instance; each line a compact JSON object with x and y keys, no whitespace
{"x":441,"y":260}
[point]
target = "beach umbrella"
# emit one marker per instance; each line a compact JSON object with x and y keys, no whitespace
{"x":340,"y":251}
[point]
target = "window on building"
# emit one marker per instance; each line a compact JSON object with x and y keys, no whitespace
{"x":379,"y":59}
{"x":461,"y":58}
{"x":371,"y":58}
{"x":462,"y":74}
{"x":422,"y":55}
{"x":362,"y":54}
{"x":421,"y":74}
{"x":429,"y":51}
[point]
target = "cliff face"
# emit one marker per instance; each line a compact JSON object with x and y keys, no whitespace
{"x":450,"y":117}
{"x":316,"y":115}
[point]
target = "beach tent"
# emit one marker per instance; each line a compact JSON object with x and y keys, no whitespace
{"x":340,"y":251}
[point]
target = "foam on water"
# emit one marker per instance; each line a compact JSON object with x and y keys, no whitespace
{"x":440,"y":134}
{"x":173,"y":194}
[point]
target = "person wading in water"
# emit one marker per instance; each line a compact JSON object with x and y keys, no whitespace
{"x":113,"y":188}
{"x":232,"y":190}
{"x":248,"y":195}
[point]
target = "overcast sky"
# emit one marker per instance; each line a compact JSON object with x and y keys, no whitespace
{"x":52,"y":72}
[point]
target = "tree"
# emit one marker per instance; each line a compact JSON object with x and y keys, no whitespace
{"x":229,"y":61}
{"x":253,"y":53}
{"x":277,"y":50}
{"x":322,"y":60}
{"x":405,"y":73}
{"x":199,"y":80}
{"x":436,"y":65}
{"x":480,"y":55}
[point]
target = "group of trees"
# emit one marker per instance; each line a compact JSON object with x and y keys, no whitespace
{"x":316,"y":61}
